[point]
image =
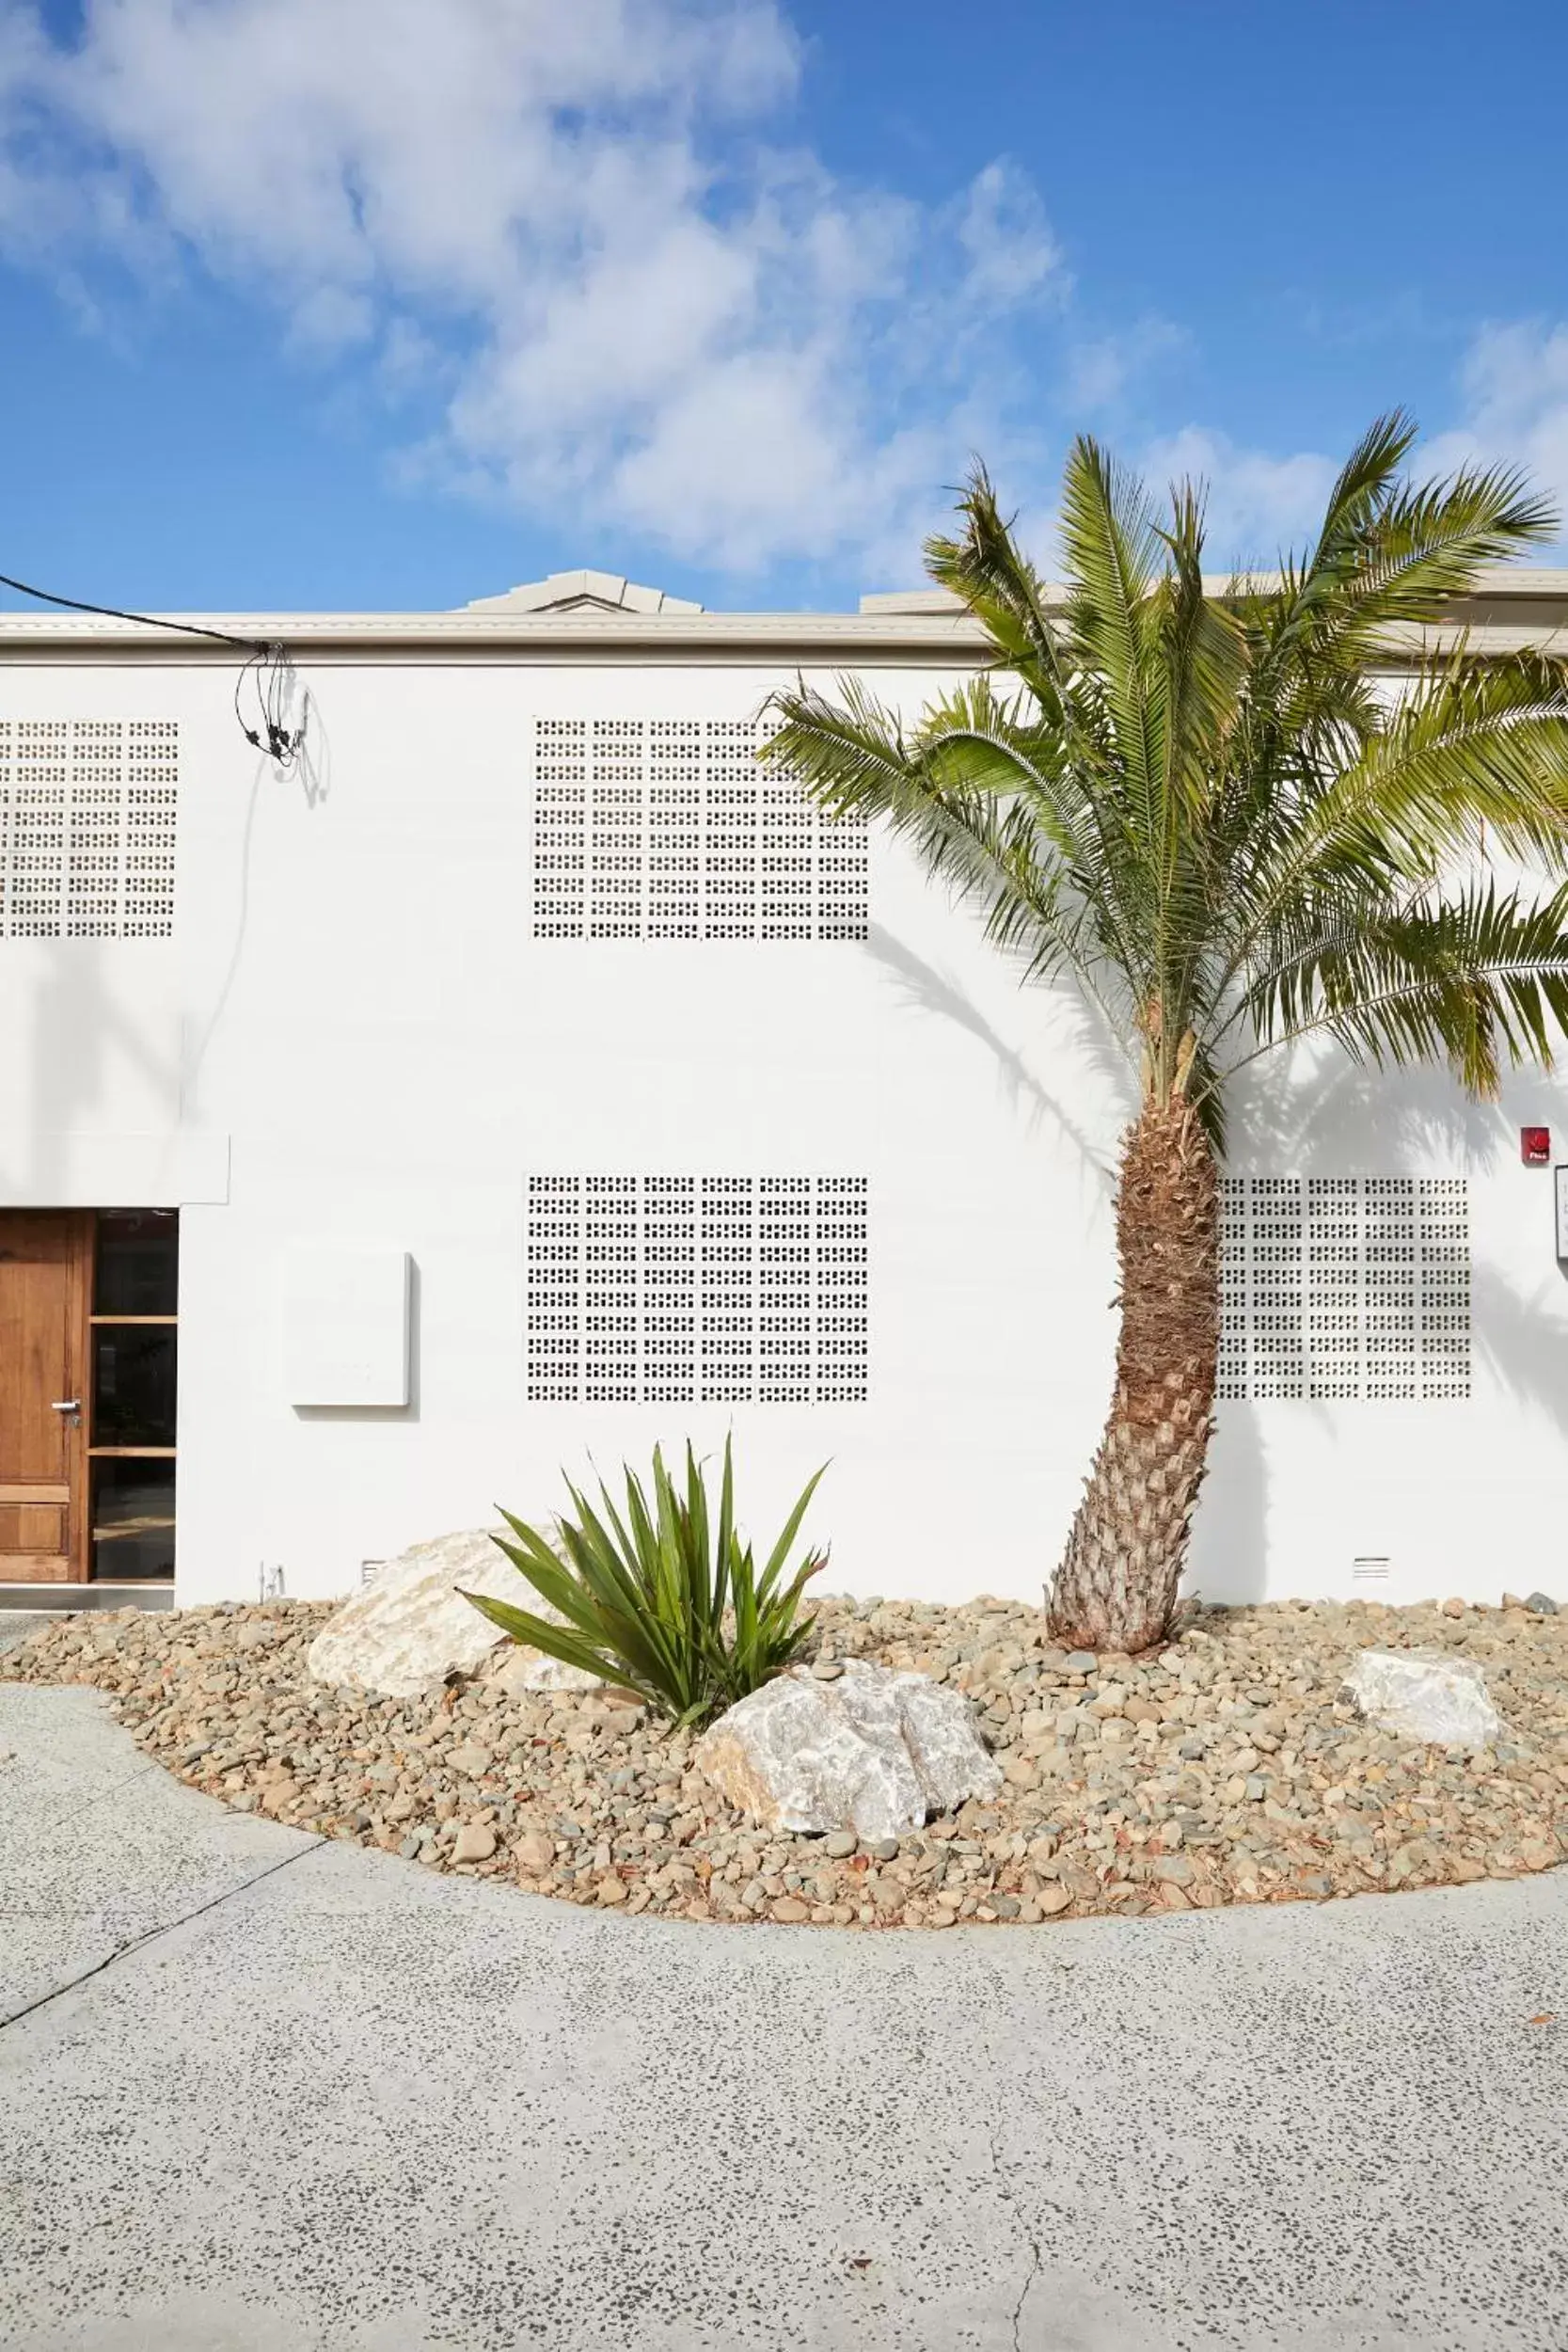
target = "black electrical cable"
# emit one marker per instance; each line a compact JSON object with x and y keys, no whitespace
{"x":144,"y":620}
{"x":267,"y":669}
{"x":268,"y":661}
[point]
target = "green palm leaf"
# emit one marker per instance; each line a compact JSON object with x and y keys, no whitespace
{"x":1209,"y":807}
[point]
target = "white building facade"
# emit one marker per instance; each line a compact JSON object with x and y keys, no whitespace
{"x":525,"y":1077}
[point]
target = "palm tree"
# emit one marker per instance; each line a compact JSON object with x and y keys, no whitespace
{"x":1201,"y":806}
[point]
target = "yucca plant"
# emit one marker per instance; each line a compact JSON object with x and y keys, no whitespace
{"x":663,"y":1597}
{"x":1199,"y":803}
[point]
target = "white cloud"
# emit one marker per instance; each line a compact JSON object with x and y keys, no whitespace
{"x":1514,"y":387}
{"x":1102,"y":368}
{"x":1513,"y":409}
{"x":1002,"y":229}
{"x":578,"y":217}
{"x":576,"y":235}
{"x":1257,"y":505}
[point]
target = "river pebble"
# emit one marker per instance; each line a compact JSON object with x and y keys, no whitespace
{"x":1226,"y":1767}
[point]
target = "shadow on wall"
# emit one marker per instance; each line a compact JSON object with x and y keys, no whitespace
{"x":924,"y":989}
{"x":1521,"y":1339}
{"x":1336,"y":1117}
{"x":1339,"y":1119}
{"x":79,"y":1030}
{"x":314,"y":758}
{"x":1231,"y":1530}
{"x":313,"y":770}
{"x":1323,"y":1116}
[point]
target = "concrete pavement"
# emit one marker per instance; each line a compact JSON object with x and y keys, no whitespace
{"x":261,"y":2091}
{"x":16,"y":1624}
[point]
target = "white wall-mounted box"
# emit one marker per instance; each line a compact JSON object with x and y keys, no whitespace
{"x":346,"y":1324}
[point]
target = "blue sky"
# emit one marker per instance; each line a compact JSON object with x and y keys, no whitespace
{"x":386,"y":303}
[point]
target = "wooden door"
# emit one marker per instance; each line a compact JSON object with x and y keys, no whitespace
{"x":45,"y":1260}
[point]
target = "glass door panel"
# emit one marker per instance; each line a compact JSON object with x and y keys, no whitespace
{"x":132,"y":1385}
{"x":133,"y":1521}
{"x":134,"y":1350}
{"x":137,"y":1270}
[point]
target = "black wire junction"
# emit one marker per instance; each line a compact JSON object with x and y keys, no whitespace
{"x":267,"y":668}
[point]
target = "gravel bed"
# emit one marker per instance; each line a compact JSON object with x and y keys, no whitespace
{"x":1224,"y":1767}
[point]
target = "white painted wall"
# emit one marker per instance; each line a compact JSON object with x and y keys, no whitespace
{"x":352,"y":1034}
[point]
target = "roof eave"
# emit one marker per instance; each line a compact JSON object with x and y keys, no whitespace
{"x":847,"y":634}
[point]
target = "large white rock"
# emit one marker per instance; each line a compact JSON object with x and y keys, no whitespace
{"x":517,"y":1669}
{"x":874,"y":1750}
{"x":1425,"y":1695}
{"x":411,"y":1626}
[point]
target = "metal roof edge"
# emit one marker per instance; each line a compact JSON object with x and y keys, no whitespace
{"x":1513,"y":606}
{"x":1495,"y":584}
{"x":620,"y":632}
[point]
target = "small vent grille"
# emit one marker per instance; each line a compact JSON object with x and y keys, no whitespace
{"x":680,"y":1290}
{"x":667,"y":829}
{"x":1345,"y":1287}
{"x":88,"y":810}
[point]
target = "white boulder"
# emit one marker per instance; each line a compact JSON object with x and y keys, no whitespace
{"x":516,"y":1668}
{"x":872,"y":1750}
{"x":1425,"y":1695}
{"x":411,"y":1626}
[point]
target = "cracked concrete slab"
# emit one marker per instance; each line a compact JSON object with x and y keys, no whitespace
{"x":99,"y":1847}
{"x":351,"y":2104}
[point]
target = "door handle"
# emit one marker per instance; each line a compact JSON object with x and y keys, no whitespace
{"x":67,"y":1404}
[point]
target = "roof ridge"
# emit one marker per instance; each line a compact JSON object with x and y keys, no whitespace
{"x":565,"y":591}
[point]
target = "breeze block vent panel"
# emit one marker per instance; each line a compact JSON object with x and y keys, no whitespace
{"x":668,"y":829}
{"x":684,"y":1290}
{"x":1345,"y":1287}
{"x":87,"y":814}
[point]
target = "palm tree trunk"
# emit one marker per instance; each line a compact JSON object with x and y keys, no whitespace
{"x":1116,"y":1588}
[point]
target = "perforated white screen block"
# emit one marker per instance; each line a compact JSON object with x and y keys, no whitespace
{"x":345,"y":1324}
{"x":667,"y":829}
{"x":88,"y":810}
{"x":1345,"y":1287}
{"x":679,"y":1290}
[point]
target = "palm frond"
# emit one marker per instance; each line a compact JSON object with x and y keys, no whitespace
{"x":1360,"y":494}
{"x":1472,"y":746}
{"x":1433,"y":539}
{"x":1110,"y":549}
{"x":1203,"y":651}
{"x":1392,"y":553}
{"x":1477,"y":978}
{"x":1210,"y":808}
{"x":985,"y":566}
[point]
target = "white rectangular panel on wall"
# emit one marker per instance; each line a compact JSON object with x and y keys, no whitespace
{"x":346,"y":1324}
{"x":680,"y":1290}
{"x":1344,"y":1288}
{"x":88,"y":815}
{"x":668,"y":829}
